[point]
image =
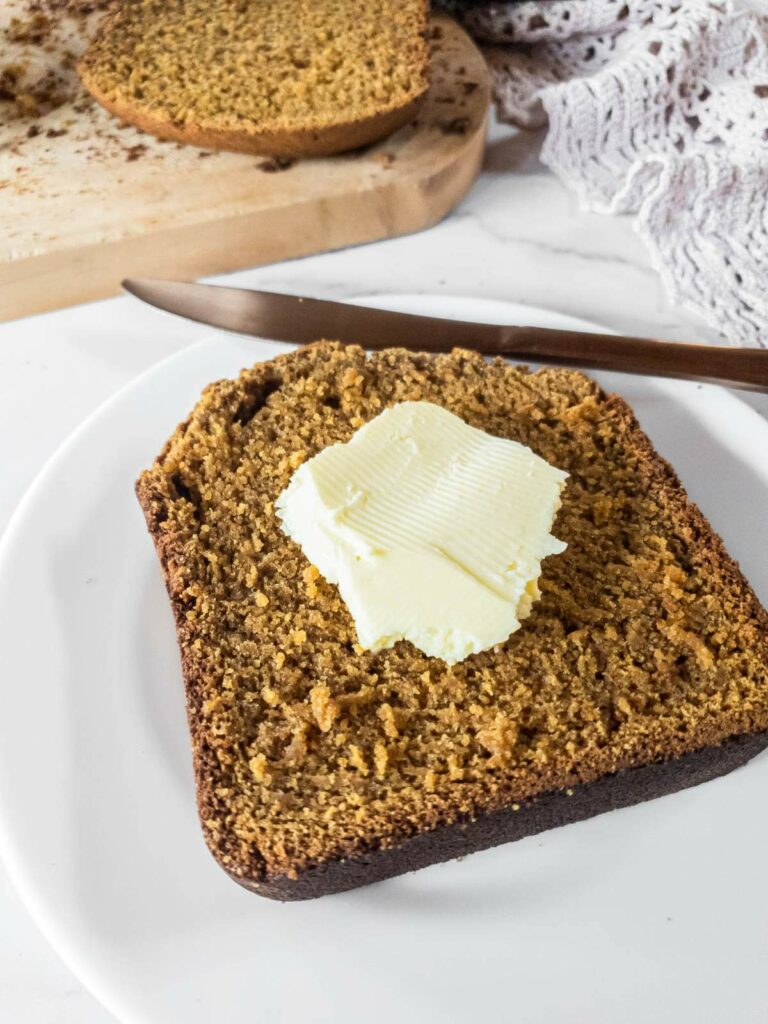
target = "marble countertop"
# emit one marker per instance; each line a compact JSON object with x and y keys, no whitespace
{"x":518,"y":236}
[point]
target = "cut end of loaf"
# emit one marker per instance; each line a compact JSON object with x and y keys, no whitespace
{"x":264,"y":76}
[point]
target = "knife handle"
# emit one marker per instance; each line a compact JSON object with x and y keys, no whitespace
{"x":735,"y":367}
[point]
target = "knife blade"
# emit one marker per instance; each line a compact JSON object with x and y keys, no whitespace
{"x":301,"y":320}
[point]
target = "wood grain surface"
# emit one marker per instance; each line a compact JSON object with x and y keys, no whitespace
{"x":86,"y":201}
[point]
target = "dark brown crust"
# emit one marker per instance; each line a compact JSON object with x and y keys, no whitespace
{"x":704,"y":757}
{"x":154,"y":514}
{"x":623,"y":789}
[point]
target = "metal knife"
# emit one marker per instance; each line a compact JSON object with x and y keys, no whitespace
{"x":301,"y":320}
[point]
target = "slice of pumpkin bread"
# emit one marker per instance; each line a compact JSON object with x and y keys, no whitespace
{"x":642,"y":669}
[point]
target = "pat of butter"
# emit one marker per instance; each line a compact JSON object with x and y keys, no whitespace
{"x":433,"y":530}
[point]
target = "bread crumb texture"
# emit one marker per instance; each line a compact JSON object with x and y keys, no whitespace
{"x":258,"y":67}
{"x":647,"y":641}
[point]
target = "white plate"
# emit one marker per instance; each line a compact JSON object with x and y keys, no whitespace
{"x":656,"y":913}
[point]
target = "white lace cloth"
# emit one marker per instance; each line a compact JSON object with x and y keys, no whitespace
{"x":657,"y":107}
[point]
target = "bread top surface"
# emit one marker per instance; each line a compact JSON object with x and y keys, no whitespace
{"x":647,"y":641}
{"x":268,"y":67}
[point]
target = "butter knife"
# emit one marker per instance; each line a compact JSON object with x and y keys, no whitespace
{"x":300,"y":320}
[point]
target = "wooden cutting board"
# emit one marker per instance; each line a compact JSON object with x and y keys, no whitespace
{"x":86,"y":201}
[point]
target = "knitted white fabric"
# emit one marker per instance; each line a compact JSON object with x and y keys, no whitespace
{"x":658,"y":107}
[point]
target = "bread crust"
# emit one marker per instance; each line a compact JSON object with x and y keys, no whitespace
{"x":508,"y":824}
{"x":711,"y":749}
